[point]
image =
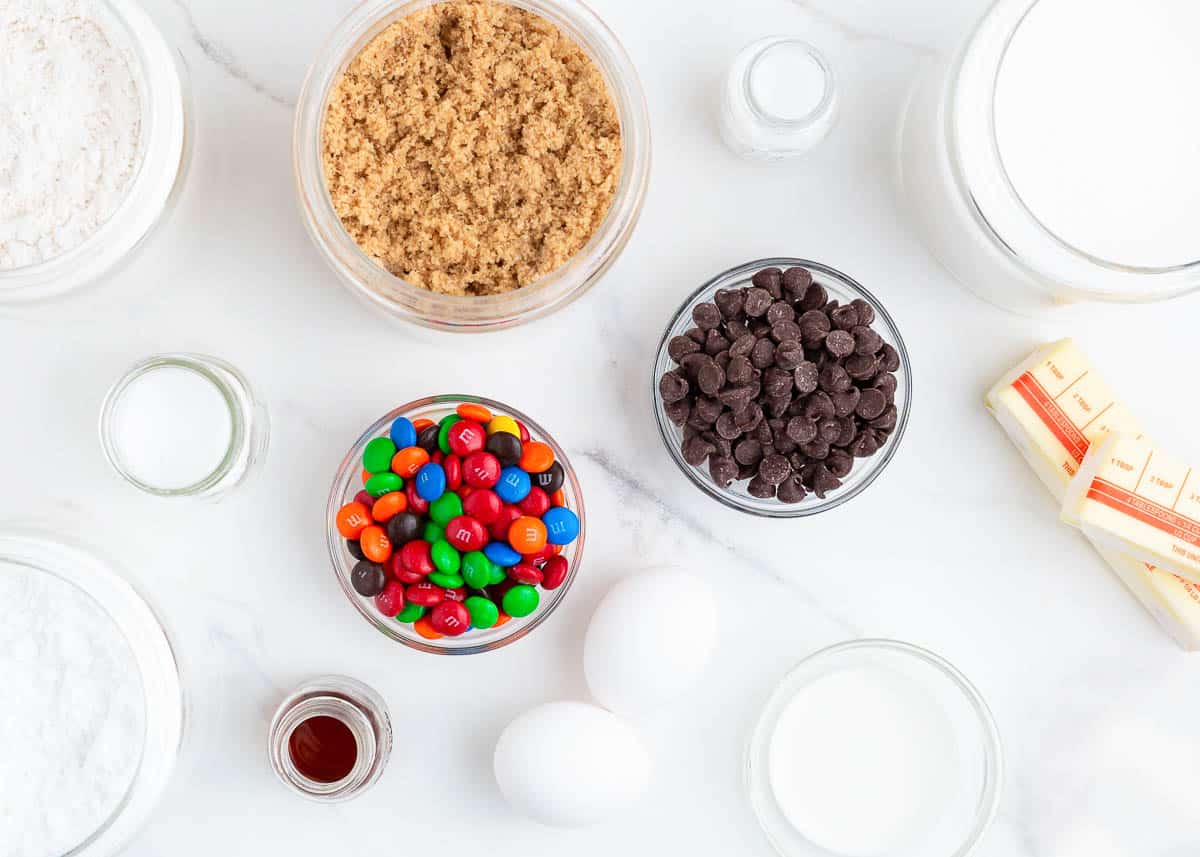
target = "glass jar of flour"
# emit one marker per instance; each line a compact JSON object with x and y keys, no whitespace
{"x":1054,"y":158}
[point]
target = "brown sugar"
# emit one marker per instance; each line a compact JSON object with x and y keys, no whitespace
{"x":471,"y":148}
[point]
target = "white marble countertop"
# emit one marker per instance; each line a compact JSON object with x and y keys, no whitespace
{"x":955,"y":548}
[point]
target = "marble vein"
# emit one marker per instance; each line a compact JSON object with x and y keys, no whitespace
{"x":854,"y":33}
{"x":223,"y":57}
{"x":740,"y":553}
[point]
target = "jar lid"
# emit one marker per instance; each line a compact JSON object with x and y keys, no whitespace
{"x":90,"y":673}
{"x":1082,"y":169}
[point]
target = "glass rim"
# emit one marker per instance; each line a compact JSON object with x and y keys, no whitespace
{"x":166,"y":110}
{"x":990,"y":742}
{"x":457,"y":313}
{"x":461,"y":645}
{"x":239,"y":434}
{"x":872,"y":466}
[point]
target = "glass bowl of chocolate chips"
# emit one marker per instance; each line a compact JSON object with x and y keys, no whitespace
{"x":782,"y":388}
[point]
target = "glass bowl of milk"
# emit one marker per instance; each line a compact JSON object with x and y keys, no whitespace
{"x":1054,"y":159}
{"x":874,"y":748}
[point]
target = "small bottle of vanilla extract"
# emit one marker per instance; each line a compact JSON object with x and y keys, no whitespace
{"x":330,"y":739}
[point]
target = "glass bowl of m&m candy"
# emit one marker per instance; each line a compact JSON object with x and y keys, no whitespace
{"x":455,"y":525}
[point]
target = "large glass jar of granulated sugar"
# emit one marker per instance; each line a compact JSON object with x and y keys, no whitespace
{"x":1056,"y":157}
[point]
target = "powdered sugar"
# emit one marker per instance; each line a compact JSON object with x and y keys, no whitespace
{"x":73,"y":724}
{"x":70,"y":125}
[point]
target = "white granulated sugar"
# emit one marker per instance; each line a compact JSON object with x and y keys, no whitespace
{"x":70,"y":126}
{"x":72,"y":726}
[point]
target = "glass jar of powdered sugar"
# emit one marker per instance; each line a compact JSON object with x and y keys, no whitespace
{"x":94,"y":140}
{"x":183,"y":425}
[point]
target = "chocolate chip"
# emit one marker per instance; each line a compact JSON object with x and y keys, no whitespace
{"x":748,"y":451}
{"x":736,"y":398}
{"x":747,"y":471}
{"x":791,"y":490}
{"x":871,"y":404}
{"x":696,"y":334}
{"x":735,"y":329}
{"x":786,"y":331}
{"x":748,"y":417}
{"x":711,"y":378}
{"x":715,"y":343}
{"x":696,"y":450}
{"x":817,"y":449}
{"x":885,"y":384}
{"x":739,"y":371}
{"x":796,"y":282}
{"x":727,"y":427}
{"x":866,"y":312}
{"x":758,"y":301}
{"x":801,"y":429}
{"x":789,"y":355}
{"x":774,"y":469}
{"x":781,"y":311}
{"x":763,"y":354}
{"x":818,"y":406}
{"x":816,"y":320}
{"x":706,"y":316}
{"x":672,"y":388}
{"x":866,"y":341}
{"x":692,"y":363}
{"x":760,"y":488}
{"x":770,"y":279}
{"x":834,"y":378}
{"x":680,"y":346}
{"x":886,"y":421}
{"x":806,"y":377}
{"x":889,"y":358}
{"x":845,"y":402}
{"x":708,"y":409}
{"x":777,"y":382}
{"x":743,"y":345}
{"x":777,"y":407}
{"x":865,"y":445}
{"x":677,"y":412}
{"x":823,"y":481}
{"x":829,"y":429}
{"x":722,"y":358}
{"x":722,"y":470}
{"x":843,"y":318}
{"x":849,"y":431}
{"x":730,"y":302}
{"x":839,"y":462}
{"x":814,"y":298}
{"x":840,"y":343}
{"x":861,"y":367}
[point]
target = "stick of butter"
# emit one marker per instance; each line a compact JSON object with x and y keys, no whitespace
{"x":1171,"y":600}
{"x":1131,"y":496}
{"x":1053,"y":406}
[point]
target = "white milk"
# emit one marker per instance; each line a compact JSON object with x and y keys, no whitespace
{"x":787,"y":82}
{"x":1056,"y":157}
{"x":862,"y":761}
{"x":1098,"y":127}
{"x":171,"y":427}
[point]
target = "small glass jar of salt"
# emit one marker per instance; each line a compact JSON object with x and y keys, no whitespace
{"x":183,"y":425}
{"x":778,"y":99}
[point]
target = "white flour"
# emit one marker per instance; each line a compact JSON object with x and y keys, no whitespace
{"x":72,"y":726}
{"x":70,"y":126}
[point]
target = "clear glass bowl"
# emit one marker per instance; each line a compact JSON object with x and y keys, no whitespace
{"x":865,"y":471}
{"x":164,"y":157}
{"x":964,"y":818}
{"x":348,"y":482}
{"x":395,"y":297}
{"x":164,"y":710}
{"x":249,"y":426}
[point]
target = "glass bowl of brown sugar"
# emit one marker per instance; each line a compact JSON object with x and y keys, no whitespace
{"x":425,"y":203}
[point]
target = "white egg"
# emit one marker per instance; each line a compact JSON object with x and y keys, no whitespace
{"x":570,"y":764}
{"x":649,"y":640}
